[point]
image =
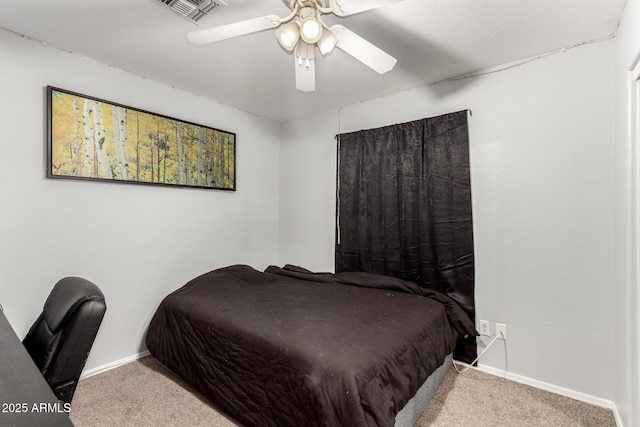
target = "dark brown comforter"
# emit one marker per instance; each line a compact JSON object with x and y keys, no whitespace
{"x":288,"y":347}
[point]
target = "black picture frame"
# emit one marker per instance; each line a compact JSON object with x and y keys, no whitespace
{"x":89,"y":138}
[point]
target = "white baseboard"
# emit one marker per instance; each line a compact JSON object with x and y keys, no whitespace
{"x":616,"y":415}
{"x":104,"y":368}
{"x":583,"y":397}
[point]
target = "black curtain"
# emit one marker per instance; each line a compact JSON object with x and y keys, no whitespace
{"x":404,"y":207}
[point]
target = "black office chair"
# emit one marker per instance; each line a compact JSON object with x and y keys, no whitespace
{"x":60,"y":339}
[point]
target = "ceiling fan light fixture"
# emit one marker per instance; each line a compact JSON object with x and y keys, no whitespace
{"x":327,"y":42}
{"x":302,"y":31}
{"x":288,"y":35}
{"x":311,"y":30}
{"x":310,"y":25}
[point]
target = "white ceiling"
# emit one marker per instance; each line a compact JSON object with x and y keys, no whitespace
{"x":432,"y":39}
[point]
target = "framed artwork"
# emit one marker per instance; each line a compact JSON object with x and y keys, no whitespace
{"x":93,"y":139}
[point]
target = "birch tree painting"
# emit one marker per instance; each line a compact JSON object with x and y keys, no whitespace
{"x":95,"y":139}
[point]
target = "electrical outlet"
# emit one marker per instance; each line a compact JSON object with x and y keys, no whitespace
{"x":501,"y":331}
{"x":485,"y":327}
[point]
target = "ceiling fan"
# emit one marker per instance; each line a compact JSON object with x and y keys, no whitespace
{"x":303,"y":30}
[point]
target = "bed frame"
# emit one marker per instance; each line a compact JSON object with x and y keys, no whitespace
{"x":413,"y":410}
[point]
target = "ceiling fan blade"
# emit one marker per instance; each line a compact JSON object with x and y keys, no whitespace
{"x":224,"y":32}
{"x":305,"y":74}
{"x":351,"y":7}
{"x":365,"y":52}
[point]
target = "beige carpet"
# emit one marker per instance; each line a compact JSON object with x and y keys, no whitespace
{"x":143,"y":393}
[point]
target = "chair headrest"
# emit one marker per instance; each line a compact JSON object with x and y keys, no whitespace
{"x":66,"y":297}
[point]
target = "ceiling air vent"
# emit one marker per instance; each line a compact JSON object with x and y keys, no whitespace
{"x":193,"y":10}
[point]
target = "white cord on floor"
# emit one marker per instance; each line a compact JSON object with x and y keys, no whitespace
{"x":469,"y":366}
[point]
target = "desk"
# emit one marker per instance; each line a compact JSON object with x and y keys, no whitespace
{"x":25,"y":397}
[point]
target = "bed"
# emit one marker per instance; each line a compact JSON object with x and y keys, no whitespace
{"x":288,"y":347}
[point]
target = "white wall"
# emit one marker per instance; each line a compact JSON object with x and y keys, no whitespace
{"x":625,"y":190}
{"x":541,"y":146}
{"x":136,"y":242}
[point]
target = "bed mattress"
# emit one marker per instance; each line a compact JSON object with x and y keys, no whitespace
{"x":287,"y":347}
